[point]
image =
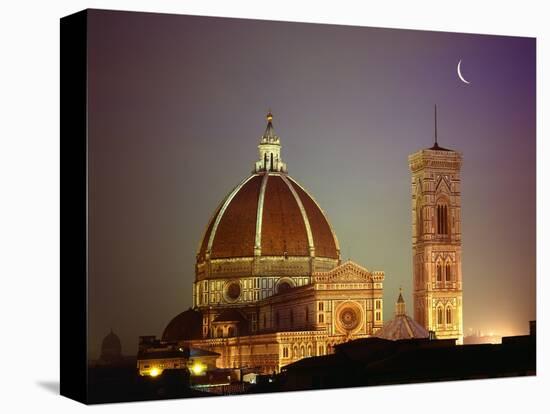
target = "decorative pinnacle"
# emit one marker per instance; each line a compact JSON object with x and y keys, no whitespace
{"x":400,"y":297}
{"x":269,"y":133}
{"x":270,"y":149}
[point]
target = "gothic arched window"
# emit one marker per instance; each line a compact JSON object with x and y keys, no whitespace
{"x":440,"y":316}
{"x":442,"y":219}
{"x":439,"y":272}
{"x":448,"y":316}
{"x":447,"y":272}
{"x":231,"y":331}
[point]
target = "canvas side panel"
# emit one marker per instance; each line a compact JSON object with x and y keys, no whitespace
{"x":73,"y":233}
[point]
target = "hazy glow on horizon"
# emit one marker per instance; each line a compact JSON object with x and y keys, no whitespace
{"x":176,"y":109}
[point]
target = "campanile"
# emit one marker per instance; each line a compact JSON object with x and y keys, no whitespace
{"x":437,"y":239}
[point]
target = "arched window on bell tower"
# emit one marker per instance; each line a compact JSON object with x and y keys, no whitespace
{"x":440,"y":315}
{"x":439,"y":272}
{"x":448,"y":316}
{"x":448,"y":272}
{"x":442,"y":224}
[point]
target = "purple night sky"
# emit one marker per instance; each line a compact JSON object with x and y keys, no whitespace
{"x":176,"y":110}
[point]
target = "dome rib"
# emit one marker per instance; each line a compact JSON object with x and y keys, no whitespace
{"x":284,"y":228}
{"x":268,"y":214}
{"x":326,"y":242}
{"x":236,"y":229}
{"x":222,"y":210}
{"x":259,"y":217}
{"x":203,"y":245}
{"x":310,"y":241}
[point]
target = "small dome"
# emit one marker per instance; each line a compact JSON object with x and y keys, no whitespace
{"x":186,"y":325}
{"x":110,"y":347}
{"x":402,"y":326}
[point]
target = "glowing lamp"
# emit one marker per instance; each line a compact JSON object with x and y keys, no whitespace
{"x":197,"y":368}
{"x":154,"y":372}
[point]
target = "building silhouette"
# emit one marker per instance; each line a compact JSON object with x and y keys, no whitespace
{"x":111,"y":349}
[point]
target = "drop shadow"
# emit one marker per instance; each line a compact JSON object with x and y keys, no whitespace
{"x":51,"y":386}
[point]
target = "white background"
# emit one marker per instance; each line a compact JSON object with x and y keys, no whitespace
{"x":29,"y":204}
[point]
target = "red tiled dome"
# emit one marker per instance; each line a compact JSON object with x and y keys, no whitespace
{"x":272,"y":214}
{"x":186,"y":325}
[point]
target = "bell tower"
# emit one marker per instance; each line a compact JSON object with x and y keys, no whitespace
{"x":436,"y":239}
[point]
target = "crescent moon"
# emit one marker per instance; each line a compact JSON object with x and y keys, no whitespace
{"x":460,"y":74}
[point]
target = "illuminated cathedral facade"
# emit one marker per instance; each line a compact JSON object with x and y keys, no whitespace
{"x":270,"y":286}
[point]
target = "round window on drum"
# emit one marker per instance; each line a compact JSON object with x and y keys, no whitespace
{"x":232,"y":291}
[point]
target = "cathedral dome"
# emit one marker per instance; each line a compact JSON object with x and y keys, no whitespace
{"x":186,"y":325}
{"x":268,"y":215}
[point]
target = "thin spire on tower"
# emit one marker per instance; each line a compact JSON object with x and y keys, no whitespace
{"x":436,"y":146}
{"x":435,"y":125}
